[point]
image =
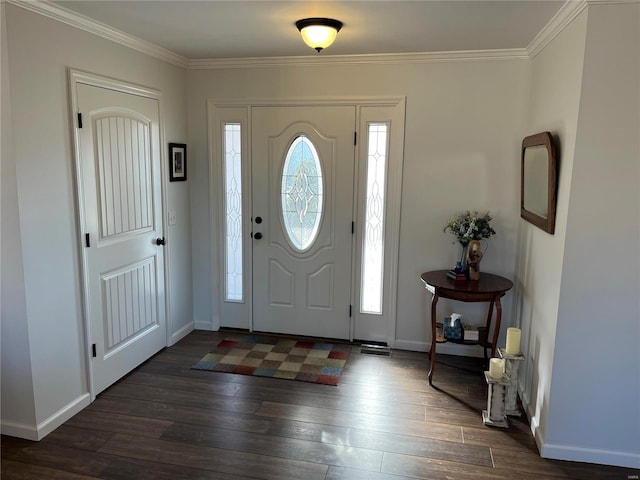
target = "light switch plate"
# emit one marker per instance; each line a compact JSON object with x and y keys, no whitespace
{"x":172,"y":218}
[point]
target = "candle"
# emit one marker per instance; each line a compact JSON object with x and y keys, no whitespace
{"x":496,"y":368}
{"x":513,"y":341}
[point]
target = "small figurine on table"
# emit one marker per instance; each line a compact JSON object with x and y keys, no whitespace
{"x":474,"y":255}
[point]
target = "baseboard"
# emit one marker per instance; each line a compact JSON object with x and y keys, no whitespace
{"x":576,"y":454}
{"x":536,"y":431}
{"x":444,"y":348}
{"x":411,"y":345}
{"x":44,"y":428}
{"x":461,"y":350}
{"x":180,"y":334}
{"x":205,"y":326}
{"x":534,"y":425}
{"x":20,"y":430}
{"x":591,"y":455}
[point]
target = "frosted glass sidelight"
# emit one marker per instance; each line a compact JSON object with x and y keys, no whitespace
{"x":233,"y":212}
{"x":301,"y":193}
{"x":373,"y":239}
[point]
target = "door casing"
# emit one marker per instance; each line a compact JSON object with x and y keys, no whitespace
{"x":240,"y":314}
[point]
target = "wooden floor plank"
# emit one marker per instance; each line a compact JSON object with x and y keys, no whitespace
{"x":76,"y":438}
{"x":19,"y":471}
{"x":502,"y":438}
{"x":118,"y":423}
{"x":224,"y":461}
{"x":56,"y":458}
{"x":385,"y":442}
{"x":201,"y":385}
{"x":431,"y":469}
{"x":342,"y":473}
{"x":133,"y":469}
{"x":378,"y":423}
{"x":553,"y":469}
{"x":184,"y":414}
{"x":167,"y":421}
{"x":284,"y":447}
{"x":349,"y":404}
{"x":182,"y":397}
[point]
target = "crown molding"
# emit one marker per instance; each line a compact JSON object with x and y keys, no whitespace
{"x":374,"y":59}
{"x":567,"y":13}
{"x":64,"y":15}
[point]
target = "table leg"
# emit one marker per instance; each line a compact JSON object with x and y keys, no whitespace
{"x":488,"y":328}
{"x":432,"y":352}
{"x":496,"y":329}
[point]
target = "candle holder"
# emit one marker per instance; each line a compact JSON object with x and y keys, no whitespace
{"x":494,"y":415}
{"x":511,"y":367}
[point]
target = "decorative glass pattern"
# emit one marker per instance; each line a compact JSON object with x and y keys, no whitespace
{"x":301,"y":193}
{"x":373,"y":241}
{"x":233,"y":212}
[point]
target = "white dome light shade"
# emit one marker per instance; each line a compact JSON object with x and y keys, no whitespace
{"x":318,"y":33}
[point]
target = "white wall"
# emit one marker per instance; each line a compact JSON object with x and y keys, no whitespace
{"x":39,"y":52}
{"x":464,"y":121}
{"x":17,"y":387}
{"x":556,"y":77}
{"x":594,"y":412}
{"x":578,"y":290}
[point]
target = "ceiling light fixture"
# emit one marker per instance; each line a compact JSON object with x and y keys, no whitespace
{"x":318,"y":33}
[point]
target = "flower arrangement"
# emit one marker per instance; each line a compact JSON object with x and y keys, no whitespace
{"x":467,"y":226}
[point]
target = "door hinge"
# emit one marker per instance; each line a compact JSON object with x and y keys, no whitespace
{"x":350,"y":309}
{"x":93,"y":351}
{"x":79,"y":120}
{"x":353,"y":227}
{"x":87,"y":240}
{"x":355,"y":138}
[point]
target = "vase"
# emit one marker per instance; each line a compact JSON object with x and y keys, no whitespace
{"x":461,"y":266}
{"x":474,"y":255}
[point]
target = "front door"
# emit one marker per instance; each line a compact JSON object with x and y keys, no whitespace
{"x":121,"y":216}
{"x":303,"y":172}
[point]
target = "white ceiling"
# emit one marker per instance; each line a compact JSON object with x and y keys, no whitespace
{"x":211,"y":29}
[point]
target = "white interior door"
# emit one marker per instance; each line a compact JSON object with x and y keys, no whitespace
{"x":302,"y":170}
{"x":121,"y":216}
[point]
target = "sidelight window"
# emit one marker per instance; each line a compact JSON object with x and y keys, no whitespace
{"x":373,"y":240}
{"x":233,"y":212}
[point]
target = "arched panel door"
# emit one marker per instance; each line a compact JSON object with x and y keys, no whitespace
{"x":120,"y":199}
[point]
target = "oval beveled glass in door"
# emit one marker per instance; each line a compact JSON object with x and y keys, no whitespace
{"x":302,"y":193}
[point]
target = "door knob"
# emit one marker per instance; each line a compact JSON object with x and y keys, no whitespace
{"x":258,"y":220}
{"x":160,"y":241}
{"x":257,"y":235}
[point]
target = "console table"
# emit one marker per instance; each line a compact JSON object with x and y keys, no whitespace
{"x":490,"y":288}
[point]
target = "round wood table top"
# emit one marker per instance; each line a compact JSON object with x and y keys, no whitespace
{"x":488,"y":283}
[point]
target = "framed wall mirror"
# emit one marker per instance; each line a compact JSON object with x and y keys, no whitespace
{"x":539,"y":181}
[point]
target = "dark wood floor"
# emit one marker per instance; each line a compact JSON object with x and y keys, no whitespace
{"x":383,"y":422}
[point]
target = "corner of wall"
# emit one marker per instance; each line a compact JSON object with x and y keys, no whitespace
{"x":38,"y":432}
{"x":17,"y":397}
{"x":556,"y":79}
{"x":181,"y":333}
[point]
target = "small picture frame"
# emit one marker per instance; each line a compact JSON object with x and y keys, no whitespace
{"x":177,"y":162}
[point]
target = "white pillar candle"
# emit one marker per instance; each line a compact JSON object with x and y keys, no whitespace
{"x":513,"y":341}
{"x":496,"y":368}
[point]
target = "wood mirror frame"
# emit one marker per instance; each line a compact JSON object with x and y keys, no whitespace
{"x":538,"y":182}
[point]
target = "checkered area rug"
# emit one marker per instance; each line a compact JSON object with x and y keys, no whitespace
{"x":278,"y":358}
